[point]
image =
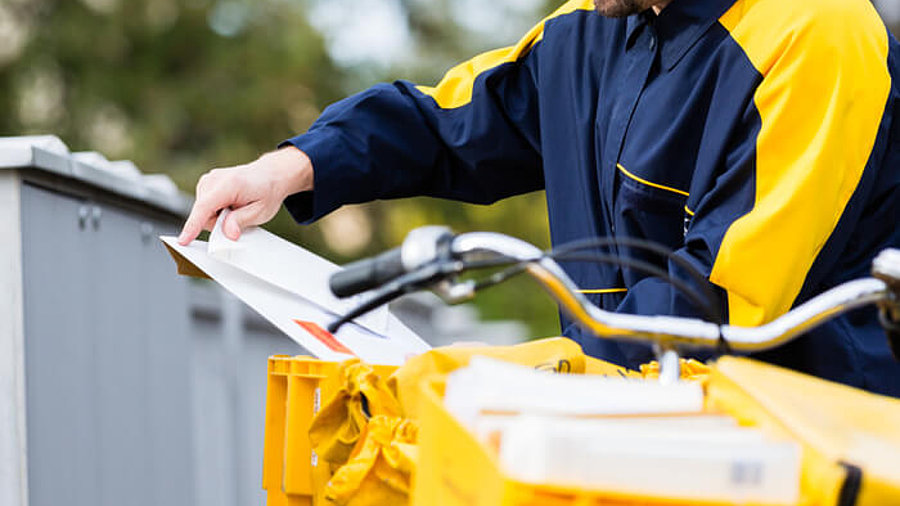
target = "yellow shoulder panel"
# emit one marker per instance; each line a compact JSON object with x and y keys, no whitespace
{"x":821,"y":101}
{"x":455,"y":89}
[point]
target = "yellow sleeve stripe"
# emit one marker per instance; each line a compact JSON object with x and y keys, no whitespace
{"x":821,"y":101}
{"x":688,"y":211}
{"x":604,"y":290}
{"x":455,"y":89}
{"x":651,"y":183}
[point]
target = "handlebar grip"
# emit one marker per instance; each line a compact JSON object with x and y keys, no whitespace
{"x":368,"y":273}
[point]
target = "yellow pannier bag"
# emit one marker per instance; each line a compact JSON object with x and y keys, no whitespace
{"x":850,"y":438}
{"x":850,"y":442}
{"x":367,"y":431}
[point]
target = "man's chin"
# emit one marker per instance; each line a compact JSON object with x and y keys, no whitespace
{"x":618,"y":8}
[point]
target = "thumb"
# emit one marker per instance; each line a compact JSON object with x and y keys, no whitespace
{"x":241,"y":218}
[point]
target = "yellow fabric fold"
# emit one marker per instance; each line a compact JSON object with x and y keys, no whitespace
{"x":337,"y":427}
{"x":691,"y":370}
{"x":379,"y":470}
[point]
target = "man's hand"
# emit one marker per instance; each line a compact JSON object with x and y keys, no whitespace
{"x":254,"y":192}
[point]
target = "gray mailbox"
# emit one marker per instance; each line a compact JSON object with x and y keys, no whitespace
{"x":120,"y":382}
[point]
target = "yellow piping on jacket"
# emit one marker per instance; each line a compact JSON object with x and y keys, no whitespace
{"x":455,"y":89}
{"x":594,"y":291}
{"x":651,"y":183}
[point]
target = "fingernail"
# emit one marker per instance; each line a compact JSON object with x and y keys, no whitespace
{"x":231,"y":230}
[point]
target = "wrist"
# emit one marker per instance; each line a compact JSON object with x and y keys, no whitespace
{"x":292,"y":170}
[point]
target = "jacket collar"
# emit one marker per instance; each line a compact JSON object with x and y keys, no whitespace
{"x":678,"y":26}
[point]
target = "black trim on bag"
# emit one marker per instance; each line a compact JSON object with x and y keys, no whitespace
{"x":852,"y":484}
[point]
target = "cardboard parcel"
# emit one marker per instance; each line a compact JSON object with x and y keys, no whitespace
{"x":288,"y":286}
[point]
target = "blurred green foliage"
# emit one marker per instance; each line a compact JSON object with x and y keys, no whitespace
{"x":182,"y":86}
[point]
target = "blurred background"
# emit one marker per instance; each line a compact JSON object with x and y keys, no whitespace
{"x":183,"y":86}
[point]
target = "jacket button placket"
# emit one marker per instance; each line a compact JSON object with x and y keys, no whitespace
{"x":640,"y":58}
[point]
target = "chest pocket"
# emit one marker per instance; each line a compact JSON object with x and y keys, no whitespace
{"x":648,"y":210}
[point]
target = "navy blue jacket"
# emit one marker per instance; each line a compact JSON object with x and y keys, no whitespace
{"x":755,"y":137}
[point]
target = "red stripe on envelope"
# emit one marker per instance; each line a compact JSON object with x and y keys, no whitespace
{"x":325,"y":337}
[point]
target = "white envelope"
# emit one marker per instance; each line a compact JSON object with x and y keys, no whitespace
{"x":288,"y":286}
{"x":290,"y":267}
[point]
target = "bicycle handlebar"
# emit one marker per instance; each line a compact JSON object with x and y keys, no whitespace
{"x":674,"y":330}
{"x":669,"y":332}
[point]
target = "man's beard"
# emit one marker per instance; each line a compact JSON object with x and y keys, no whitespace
{"x":620,"y":8}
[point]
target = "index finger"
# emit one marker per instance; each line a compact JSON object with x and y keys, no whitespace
{"x":203,"y":212}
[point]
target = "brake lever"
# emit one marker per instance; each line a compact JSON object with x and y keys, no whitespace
{"x":886,"y":267}
{"x":891,"y":326}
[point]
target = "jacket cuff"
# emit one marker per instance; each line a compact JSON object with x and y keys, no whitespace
{"x":321,"y":147}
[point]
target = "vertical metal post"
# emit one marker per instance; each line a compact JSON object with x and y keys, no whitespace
{"x":669,"y":364}
{"x":13,"y":437}
{"x":232,"y":336}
